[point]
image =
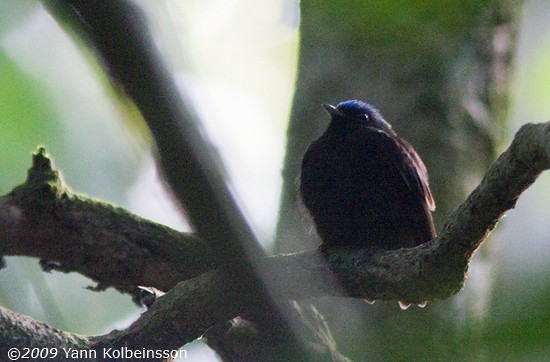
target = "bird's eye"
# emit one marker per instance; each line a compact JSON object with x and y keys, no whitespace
{"x":365,"y":116}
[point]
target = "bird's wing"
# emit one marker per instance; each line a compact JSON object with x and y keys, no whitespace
{"x":413,"y":171}
{"x":419,"y":173}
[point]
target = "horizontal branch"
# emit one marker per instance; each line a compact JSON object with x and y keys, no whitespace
{"x":72,"y":232}
{"x":434,"y":270}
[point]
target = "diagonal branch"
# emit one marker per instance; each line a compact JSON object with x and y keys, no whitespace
{"x":118,"y":33}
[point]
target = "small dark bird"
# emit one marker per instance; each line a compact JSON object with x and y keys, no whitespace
{"x":363,"y":185}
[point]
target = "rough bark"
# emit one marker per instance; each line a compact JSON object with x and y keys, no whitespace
{"x":434,"y":270}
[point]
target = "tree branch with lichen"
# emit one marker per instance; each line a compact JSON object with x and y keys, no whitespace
{"x":434,"y":270}
{"x":73,"y":232}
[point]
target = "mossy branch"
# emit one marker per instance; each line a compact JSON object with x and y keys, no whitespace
{"x":73,"y":232}
{"x":42,"y":218}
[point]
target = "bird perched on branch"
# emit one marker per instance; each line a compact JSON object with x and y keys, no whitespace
{"x":363,"y":185}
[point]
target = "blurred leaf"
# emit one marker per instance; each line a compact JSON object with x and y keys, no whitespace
{"x":27,"y":119}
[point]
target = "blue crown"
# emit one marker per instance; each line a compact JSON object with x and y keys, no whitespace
{"x":355,"y":107}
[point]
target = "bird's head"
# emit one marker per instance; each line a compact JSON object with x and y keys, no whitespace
{"x":357,"y":111}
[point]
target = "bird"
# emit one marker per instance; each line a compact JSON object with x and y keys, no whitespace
{"x":363,"y":185}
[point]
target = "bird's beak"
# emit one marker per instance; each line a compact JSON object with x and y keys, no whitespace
{"x":332,"y":110}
